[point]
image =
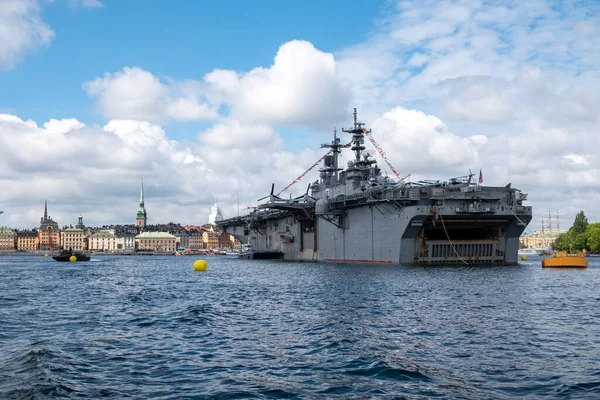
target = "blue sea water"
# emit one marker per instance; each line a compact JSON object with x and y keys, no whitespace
{"x":152,"y":327}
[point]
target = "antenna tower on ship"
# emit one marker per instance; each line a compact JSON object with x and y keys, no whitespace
{"x":331,"y":168}
{"x":358,"y":138}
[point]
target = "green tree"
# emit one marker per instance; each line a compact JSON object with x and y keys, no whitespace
{"x":580,"y":241}
{"x":580,"y":224}
{"x":593,"y":237}
{"x":562,"y":242}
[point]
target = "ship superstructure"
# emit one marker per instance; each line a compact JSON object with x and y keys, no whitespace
{"x":359,"y":214}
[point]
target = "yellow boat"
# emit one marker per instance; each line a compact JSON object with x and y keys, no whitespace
{"x":563,"y":259}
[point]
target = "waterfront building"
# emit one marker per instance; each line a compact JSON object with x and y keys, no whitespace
{"x":73,"y":239}
{"x":225,"y":241}
{"x":48,"y":233}
{"x":126,"y":243}
{"x":157,"y":241}
{"x":210,"y":240}
{"x":183,"y":240}
{"x":141,"y":217}
{"x":7,"y":238}
{"x":195,"y":241}
{"x":538,"y":240}
{"x":215,"y":214}
{"x":102,"y":241}
{"x":28,"y":240}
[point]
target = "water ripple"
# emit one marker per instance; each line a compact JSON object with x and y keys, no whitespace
{"x":151,"y":327}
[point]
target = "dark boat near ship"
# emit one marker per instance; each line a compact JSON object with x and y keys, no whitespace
{"x":65,"y":255}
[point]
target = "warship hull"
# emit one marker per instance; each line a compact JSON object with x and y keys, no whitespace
{"x":381,"y":232}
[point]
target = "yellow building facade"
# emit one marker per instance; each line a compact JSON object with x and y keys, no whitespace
{"x":210,"y":240}
{"x":28,"y":240}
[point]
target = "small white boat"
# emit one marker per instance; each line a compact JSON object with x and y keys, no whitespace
{"x":528,"y":252}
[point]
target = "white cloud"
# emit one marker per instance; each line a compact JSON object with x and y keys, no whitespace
{"x":576,"y":159}
{"x":21,"y":31}
{"x":479,"y":98}
{"x":100,"y":168}
{"x":97,"y":171}
{"x":137,"y":94}
{"x":233,"y":134}
{"x":421,"y":144}
{"x":302,"y":87}
{"x":63,"y":125}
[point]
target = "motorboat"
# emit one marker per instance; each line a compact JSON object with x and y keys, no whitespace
{"x":66,"y":255}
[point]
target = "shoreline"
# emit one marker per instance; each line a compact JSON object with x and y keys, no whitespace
{"x":10,"y":253}
{"x":15,"y":253}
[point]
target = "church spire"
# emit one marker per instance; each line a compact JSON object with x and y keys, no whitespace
{"x":46,"y":210}
{"x":142,"y":194}
{"x":141,"y":217}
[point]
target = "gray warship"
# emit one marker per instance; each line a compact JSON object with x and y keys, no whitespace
{"x":358,"y":214}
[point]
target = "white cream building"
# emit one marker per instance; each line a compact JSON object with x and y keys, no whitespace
{"x":102,"y":241}
{"x":126,"y":243}
{"x":73,"y":239}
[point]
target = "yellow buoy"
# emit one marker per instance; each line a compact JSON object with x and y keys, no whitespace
{"x":200,"y":265}
{"x":73,"y":258}
{"x":523,"y":258}
{"x":45,"y":255}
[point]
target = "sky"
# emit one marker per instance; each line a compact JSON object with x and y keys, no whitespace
{"x":213,"y":102}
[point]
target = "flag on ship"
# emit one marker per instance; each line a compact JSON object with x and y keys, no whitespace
{"x":480,"y":176}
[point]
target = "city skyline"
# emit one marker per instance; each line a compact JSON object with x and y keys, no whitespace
{"x":217,"y":111}
{"x":45,"y":216}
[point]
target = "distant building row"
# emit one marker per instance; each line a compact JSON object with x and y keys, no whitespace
{"x":80,"y":239}
{"x":167,"y":237}
{"x":538,"y":241}
{"x":49,"y":237}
